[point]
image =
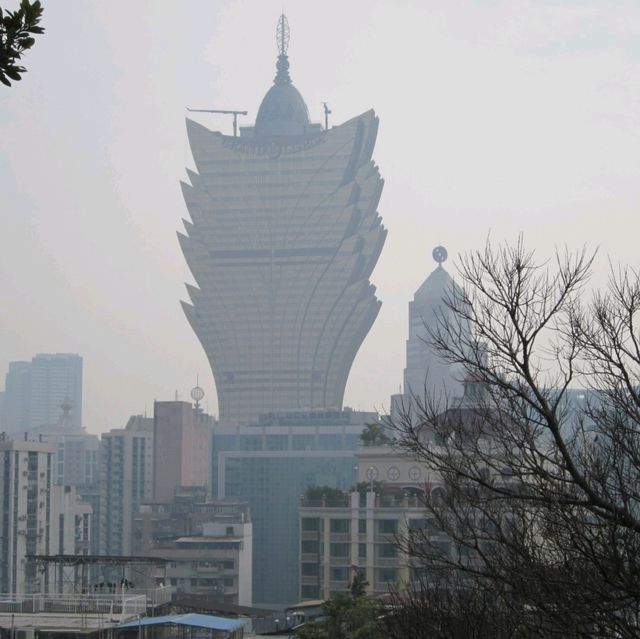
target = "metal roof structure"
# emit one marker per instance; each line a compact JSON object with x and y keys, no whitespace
{"x":192,"y":619}
{"x":204,"y":603}
{"x":76,"y":560}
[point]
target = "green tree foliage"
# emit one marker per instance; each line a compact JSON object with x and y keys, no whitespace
{"x":347,"y":616}
{"x":16,"y":31}
{"x":331,"y":495}
{"x":363,"y":487}
{"x":373,"y":435}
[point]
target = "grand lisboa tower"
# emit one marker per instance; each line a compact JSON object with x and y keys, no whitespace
{"x":283,"y":237}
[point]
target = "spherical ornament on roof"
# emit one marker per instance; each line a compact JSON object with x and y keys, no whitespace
{"x":440,"y":254}
{"x":197,"y":393}
{"x":438,"y":285}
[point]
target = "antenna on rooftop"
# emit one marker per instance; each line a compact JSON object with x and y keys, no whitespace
{"x":327,"y":113}
{"x":197,"y":394}
{"x":65,"y":422}
{"x":232,"y":112}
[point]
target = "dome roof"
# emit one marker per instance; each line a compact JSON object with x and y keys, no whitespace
{"x":283,"y":110}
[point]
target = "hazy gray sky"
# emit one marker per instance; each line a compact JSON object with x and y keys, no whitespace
{"x":499,"y":117}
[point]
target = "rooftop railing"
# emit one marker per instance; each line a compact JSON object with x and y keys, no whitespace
{"x":124,"y":604}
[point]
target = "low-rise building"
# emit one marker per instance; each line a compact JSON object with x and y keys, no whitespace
{"x":357,"y":532}
{"x":341,"y":532}
{"x":208,"y":544}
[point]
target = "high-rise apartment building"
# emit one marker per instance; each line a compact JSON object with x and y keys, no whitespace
{"x":36,"y":393}
{"x":76,"y":461}
{"x":126,"y":481}
{"x":283,"y":237}
{"x":17,"y":395}
{"x":181,"y":448}
{"x":76,"y":464}
{"x":56,"y":379}
{"x":37,"y":517}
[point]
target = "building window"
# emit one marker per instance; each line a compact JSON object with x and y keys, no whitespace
{"x":362,"y":526}
{"x":362,"y":551}
{"x":309,"y":569}
{"x":388,"y":551}
{"x":388,"y":526}
{"x":309,"y":592}
{"x":340,"y":573}
{"x":309,"y":546}
{"x":386,"y":575}
{"x":310,"y":523}
{"x":340,"y":525}
{"x":339,"y":550}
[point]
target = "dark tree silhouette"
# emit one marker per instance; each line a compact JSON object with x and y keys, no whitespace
{"x":541,"y":501}
{"x":16,"y":31}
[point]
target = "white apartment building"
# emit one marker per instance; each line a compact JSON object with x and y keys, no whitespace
{"x":36,"y":517}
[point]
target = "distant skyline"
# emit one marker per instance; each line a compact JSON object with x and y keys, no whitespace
{"x":495,"y":118}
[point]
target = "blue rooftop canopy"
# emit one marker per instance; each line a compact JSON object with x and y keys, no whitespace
{"x":193,"y":619}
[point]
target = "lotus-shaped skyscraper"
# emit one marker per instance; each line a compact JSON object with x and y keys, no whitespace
{"x":283,"y":237}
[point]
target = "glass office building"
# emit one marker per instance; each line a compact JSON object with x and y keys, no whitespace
{"x":270,"y":465}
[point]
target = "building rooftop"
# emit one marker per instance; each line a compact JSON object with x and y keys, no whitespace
{"x":192,"y":619}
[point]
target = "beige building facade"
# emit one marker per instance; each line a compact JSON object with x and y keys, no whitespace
{"x":181,"y":448}
{"x":359,"y":531}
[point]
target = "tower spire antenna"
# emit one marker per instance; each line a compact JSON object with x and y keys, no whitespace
{"x":282,"y":35}
{"x":282,"y":40}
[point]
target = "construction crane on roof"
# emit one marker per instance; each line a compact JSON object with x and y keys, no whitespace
{"x":235,"y":115}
